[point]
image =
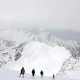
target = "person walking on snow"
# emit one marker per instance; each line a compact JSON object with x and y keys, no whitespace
{"x":33,"y":72}
{"x":41,"y":73}
{"x":54,"y":76}
{"x":22,"y":72}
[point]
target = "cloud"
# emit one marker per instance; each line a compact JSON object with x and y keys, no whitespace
{"x":56,"y":14}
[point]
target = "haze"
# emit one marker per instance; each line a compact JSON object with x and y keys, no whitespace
{"x":43,"y":14}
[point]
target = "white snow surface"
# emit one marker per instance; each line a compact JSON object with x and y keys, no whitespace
{"x":41,"y":56}
{"x":14,"y":75}
{"x":38,"y":54}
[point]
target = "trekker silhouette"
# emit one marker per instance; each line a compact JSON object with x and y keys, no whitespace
{"x":33,"y":72}
{"x":41,"y":73}
{"x":54,"y":76}
{"x":22,"y":72}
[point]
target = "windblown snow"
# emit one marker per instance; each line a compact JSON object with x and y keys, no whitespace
{"x":41,"y":56}
{"x":41,"y":51}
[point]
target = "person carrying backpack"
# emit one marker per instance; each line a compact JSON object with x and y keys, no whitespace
{"x":41,"y":73}
{"x":33,"y":72}
{"x":22,"y":72}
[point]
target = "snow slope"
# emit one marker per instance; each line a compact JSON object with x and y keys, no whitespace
{"x":41,"y":56}
{"x":38,"y":50}
{"x":14,"y":75}
{"x":71,"y":68}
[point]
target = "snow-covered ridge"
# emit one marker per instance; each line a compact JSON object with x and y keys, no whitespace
{"x":14,"y":75}
{"x":70,"y":68}
{"x":21,"y":36}
{"x":19,"y":39}
{"x":41,"y":56}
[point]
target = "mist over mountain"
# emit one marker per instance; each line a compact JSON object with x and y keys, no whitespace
{"x":40,"y":34}
{"x":29,"y":46}
{"x":64,"y":34}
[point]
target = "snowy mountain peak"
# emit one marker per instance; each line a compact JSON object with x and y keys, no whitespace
{"x":36,"y":50}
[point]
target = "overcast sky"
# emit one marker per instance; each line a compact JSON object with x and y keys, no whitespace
{"x":56,"y":14}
